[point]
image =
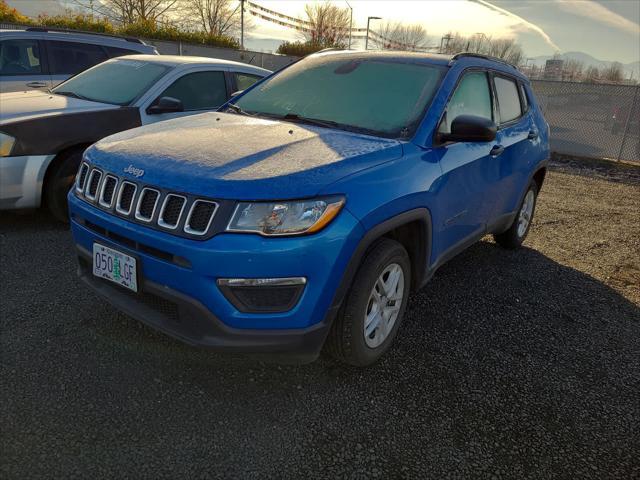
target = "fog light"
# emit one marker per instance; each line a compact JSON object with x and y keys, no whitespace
{"x":262,"y":295}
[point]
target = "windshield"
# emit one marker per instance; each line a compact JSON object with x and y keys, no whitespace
{"x":382,"y":96}
{"x":118,"y":82}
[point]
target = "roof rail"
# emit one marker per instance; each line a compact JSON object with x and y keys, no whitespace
{"x":480,"y":55}
{"x":83,"y":32}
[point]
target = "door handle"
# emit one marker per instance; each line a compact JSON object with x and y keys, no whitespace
{"x":496,"y":150}
{"x":36,"y":84}
{"x":532,"y":135}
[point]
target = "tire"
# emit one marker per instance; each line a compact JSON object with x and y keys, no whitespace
{"x":515,"y":235}
{"x":346,"y":341}
{"x":59,"y":181}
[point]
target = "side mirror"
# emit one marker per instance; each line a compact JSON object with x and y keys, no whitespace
{"x":166,"y":105}
{"x":470,"y":128}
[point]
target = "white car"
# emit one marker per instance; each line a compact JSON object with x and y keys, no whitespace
{"x":43,"y":134}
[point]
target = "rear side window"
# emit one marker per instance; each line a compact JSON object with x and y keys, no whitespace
{"x":244,"y":81}
{"x":472,"y":97}
{"x":19,"y":57}
{"x":199,"y":90}
{"x":69,"y":58}
{"x":508,"y":99}
{"x":120,"y":52}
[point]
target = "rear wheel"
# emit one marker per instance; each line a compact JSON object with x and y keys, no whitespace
{"x":374,"y":306}
{"x":519,"y":229}
{"x":58,"y":183}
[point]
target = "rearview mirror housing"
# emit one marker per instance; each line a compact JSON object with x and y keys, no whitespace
{"x":166,"y":105}
{"x":470,"y":128}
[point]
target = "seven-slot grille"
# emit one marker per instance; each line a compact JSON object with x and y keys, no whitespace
{"x":145,"y":204}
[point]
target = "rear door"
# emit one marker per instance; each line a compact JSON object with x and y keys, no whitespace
{"x":22,"y":66}
{"x":518,"y":135}
{"x":198,"y":90}
{"x":68,"y":58}
{"x":469,"y":171}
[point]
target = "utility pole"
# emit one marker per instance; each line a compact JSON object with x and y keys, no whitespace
{"x":366,"y":41}
{"x":242,"y":24}
{"x":350,"y":23}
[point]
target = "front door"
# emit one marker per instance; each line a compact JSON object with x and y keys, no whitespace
{"x":21,"y":68}
{"x":470,"y":171}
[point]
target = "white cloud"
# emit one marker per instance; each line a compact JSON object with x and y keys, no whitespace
{"x":520,"y":23}
{"x":598,"y":12}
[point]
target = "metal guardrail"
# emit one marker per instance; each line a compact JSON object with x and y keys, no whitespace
{"x":592,"y":120}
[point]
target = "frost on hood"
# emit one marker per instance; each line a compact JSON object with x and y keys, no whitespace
{"x":234,"y":147}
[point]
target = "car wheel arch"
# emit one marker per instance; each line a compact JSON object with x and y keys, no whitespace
{"x":412,"y":229}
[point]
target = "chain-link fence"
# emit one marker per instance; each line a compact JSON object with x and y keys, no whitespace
{"x":592,"y":120}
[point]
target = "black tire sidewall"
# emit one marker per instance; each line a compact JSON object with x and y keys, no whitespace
{"x":381,"y":255}
{"x":58,"y":184}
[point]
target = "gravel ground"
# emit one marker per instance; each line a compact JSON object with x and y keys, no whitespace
{"x":509,"y":365}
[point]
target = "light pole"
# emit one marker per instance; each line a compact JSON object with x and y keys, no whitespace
{"x":350,"y":23}
{"x":242,"y":24}
{"x":366,"y":41}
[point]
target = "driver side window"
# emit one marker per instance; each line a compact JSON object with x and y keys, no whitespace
{"x":472,"y":97}
{"x":199,"y":90}
{"x":19,"y":57}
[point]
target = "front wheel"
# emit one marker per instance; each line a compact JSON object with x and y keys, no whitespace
{"x":374,"y":307}
{"x":59,"y":182}
{"x":519,"y":229}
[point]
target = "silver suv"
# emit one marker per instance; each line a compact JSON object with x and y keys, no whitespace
{"x":41,"y":58}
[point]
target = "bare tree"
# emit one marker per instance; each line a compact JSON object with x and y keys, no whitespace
{"x":572,"y":70}
{"x":400,"y":36}
{"x":592,"y":74}
{"x":126,"y":12}
{"x":216,"y":17}
{"x":507,"y":49}
{"x":613,"y":73}
{"x":328,"y":24}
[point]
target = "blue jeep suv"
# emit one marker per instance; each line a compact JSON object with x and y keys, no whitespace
{"x":302,"y":214}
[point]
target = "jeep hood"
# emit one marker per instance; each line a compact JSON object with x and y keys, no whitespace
{"x":225,"y":155}
{"x":18,"y":106}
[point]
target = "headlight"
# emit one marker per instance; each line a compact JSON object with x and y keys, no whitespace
{"x":285,"y":218}
{"x":6,"y":144}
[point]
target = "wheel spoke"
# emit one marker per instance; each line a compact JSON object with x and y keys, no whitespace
{"x":373,"y":323}
{"x":392,"y":282}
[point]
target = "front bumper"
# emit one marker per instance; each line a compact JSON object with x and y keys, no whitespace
{"x":178,"y":290}
{"x":21,"y":180}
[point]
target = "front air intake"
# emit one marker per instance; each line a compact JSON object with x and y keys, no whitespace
{"x":200,"y":217}
{"x":125,"y":198}
{"x":171,"y":211}
{"x":147,"y":204}
{"x":82,"y":177}
{"x":108,"y":191}
{"x":93,"y":183}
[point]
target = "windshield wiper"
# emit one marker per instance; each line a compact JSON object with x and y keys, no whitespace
{"x":294,"y":117}
{"x":236,"y":109}
{"x":71,"y":94}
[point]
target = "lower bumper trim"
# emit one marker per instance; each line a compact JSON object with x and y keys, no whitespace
{"x":186,"y":319}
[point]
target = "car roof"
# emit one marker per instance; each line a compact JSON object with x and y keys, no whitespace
{"x":176,"y":60}
{"x":44,"y":33}
{"x":469,"y":59}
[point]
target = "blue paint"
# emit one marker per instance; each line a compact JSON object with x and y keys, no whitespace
{"x":229,"y":156}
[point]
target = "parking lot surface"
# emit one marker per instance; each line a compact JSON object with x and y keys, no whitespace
{"x":522,"y":364}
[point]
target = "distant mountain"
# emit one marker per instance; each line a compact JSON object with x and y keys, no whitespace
{"x":632,"y":68}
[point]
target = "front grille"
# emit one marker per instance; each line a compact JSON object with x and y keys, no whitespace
{"x":93,"y":183}
{"x":171,"y":211}
{"x":82,"y":177}
{"x":147,"y":204}
{"x":200,"y":217}
{"x":125,"y":198}
{"x":185,"y":215}
{"x":108,"y":190}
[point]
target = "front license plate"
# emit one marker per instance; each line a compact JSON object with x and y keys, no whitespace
{"x":115,"y":266}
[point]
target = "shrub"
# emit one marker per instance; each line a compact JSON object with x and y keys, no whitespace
{"x":11,"y":15}
{"x":300,"y":49}
{"x":143,"y":28}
